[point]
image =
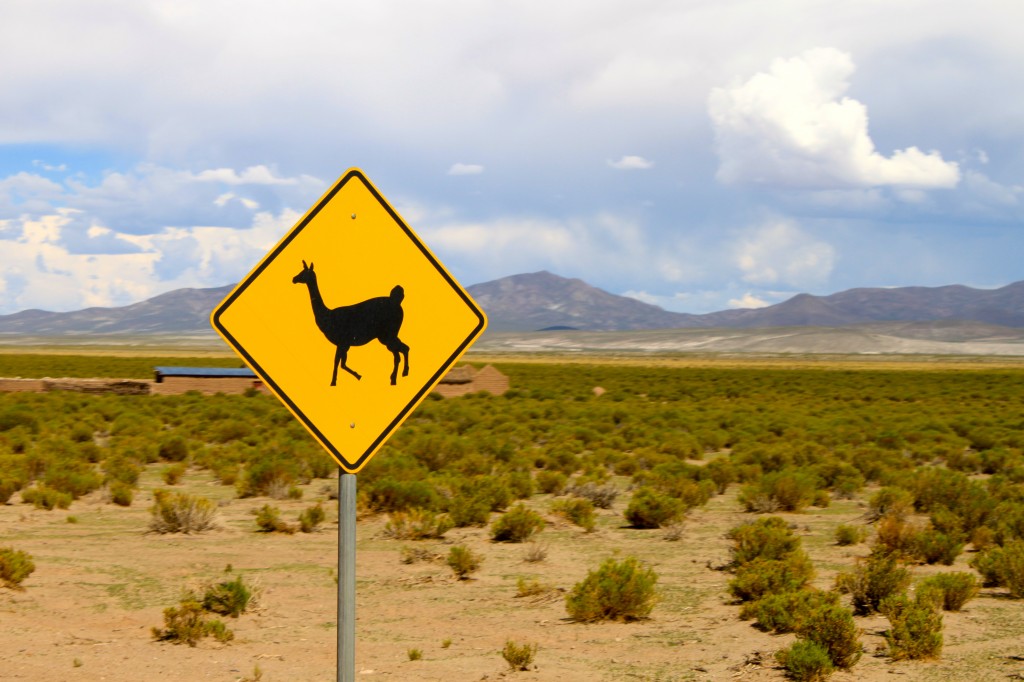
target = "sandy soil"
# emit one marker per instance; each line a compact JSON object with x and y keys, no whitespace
{"x":102,"y":583}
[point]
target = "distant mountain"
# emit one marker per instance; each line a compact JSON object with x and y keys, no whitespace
{"x":1003,"y":307}
{"x":182,"y":311}
{"x":542,"y":300}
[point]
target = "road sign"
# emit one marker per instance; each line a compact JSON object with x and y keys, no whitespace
{"x":350,"y":320}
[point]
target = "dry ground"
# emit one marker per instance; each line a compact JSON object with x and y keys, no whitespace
{"x":102,"y":583}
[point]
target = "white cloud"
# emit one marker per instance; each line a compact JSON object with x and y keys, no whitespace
{"x":794,"y":127}
{"x":253,"y":175}
{"x":631,"y":163}
{"x":37,"y":270}
{"x":465,"y":169}
{"x":644,"y":297}
{"x":779,"y":252}
{"x":748,"y":300}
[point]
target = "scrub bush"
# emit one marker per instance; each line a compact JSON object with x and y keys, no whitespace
{"x":516,"y":525}
{"x":463,"y":561}
{"x":950,"y":591}
{"x":872,"y":581}
{"x":181,"y":513}
{"x":765,"y":538}
{"x":578,"y":510}
{"x":519,"y":657}
{"x":228,"y":598}
{"x":617,"y":590}
{"x":417,"y":524}
{"x":915,"y":627}
{"x":786,"y":611}
{"x":649,"y":508}
{"x":15,"y":566}
{"x":832,"y":627}
{"x":311,"y":518}
{"x":760,"y":577}
{"x":849,"y":535}
{"x":42,"y":497}
{"x":268,"y":519}
{"x":806,"y":661}
{"x":188,"y":623}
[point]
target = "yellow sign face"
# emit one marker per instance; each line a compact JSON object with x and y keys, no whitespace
{"x":350,"y":320}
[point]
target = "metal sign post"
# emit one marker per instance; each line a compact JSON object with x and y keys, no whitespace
{"x":346,"y":577}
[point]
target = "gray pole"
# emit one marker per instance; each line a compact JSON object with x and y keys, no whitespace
{"x":346,"y":577}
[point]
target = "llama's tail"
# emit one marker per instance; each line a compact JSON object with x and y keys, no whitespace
{"x":397,"y":294}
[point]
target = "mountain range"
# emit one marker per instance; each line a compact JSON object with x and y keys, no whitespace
{"x":545,"y":301}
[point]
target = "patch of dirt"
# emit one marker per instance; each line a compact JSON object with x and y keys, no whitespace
{"x":102,"y":583}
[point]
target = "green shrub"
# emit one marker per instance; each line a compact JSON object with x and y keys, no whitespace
{"x":121,"y":493}
{"x":173,"y":448}
{"x":519,"y":657}
{"x":181,"y":513}
{"x":42,"y":497}
{"x":172,"y":474}
{"x":934,"y":547}
{"x":832,"y":627}
{"x":649,"y":508}
{"x":806,"y":661}
{"x":516,"y":525}
{"x":761,"y":577}
{"x":414,"y":654}
{"x":417,"y":524}
{"x":766,"y":538}
{"x":268,"y":520}
{"x":1001,"y":566}
{"x":1011,"y":568}
{"x":123,"y":469}
{"x":786,"y":611}
{"x":872,"y":581}
{"x":988,"y":563}
{"x":617,"y":590}
{"x":849,"y":535}
{"x":895,"y":536}
{"x":15,"y":566}
{"x":789,"y":490}
{"x":311,"y":518}
{"x":227,"y":598}
{"x":578,"y":510}
{"x":463,"y":561}
{"x":890,"y":501}
{"x":188,"y":623}
{"x":915,"y":627}
{"x":950,"y":591}
{"x":551,"y":482}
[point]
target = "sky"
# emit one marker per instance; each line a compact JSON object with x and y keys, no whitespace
{"x":695,"y":154}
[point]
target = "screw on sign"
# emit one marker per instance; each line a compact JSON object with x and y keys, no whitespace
{"x":387,"y":287}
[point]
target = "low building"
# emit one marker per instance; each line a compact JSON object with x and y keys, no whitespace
{"x":206,"y":380}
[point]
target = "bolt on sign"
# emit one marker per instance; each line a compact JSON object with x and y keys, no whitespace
{"x":350,"y":320}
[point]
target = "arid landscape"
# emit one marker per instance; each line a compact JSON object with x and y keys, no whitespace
{"x":103,"y":580}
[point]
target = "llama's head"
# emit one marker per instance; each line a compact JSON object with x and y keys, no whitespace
{"x":306,"y":276}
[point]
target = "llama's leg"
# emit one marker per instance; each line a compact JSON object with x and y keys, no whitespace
{"x":397,"y":347}
{"x":337,"y":359}
{"x":405,"y":354}
{"x":344,"y":359}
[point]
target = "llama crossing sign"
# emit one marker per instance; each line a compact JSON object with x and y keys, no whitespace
{"x":350,"y":287}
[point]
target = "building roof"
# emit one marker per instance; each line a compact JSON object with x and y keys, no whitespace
{"x":242,"y":372}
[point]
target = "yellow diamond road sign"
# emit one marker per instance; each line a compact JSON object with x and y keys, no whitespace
{"x":350,"y":320}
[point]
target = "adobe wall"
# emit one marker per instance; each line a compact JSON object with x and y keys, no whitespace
{"x":205,"y":385}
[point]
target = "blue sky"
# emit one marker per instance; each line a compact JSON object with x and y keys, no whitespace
{"x":699,"y":155}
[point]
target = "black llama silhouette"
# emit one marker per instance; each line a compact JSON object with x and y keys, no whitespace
{"x":354,"y":325}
